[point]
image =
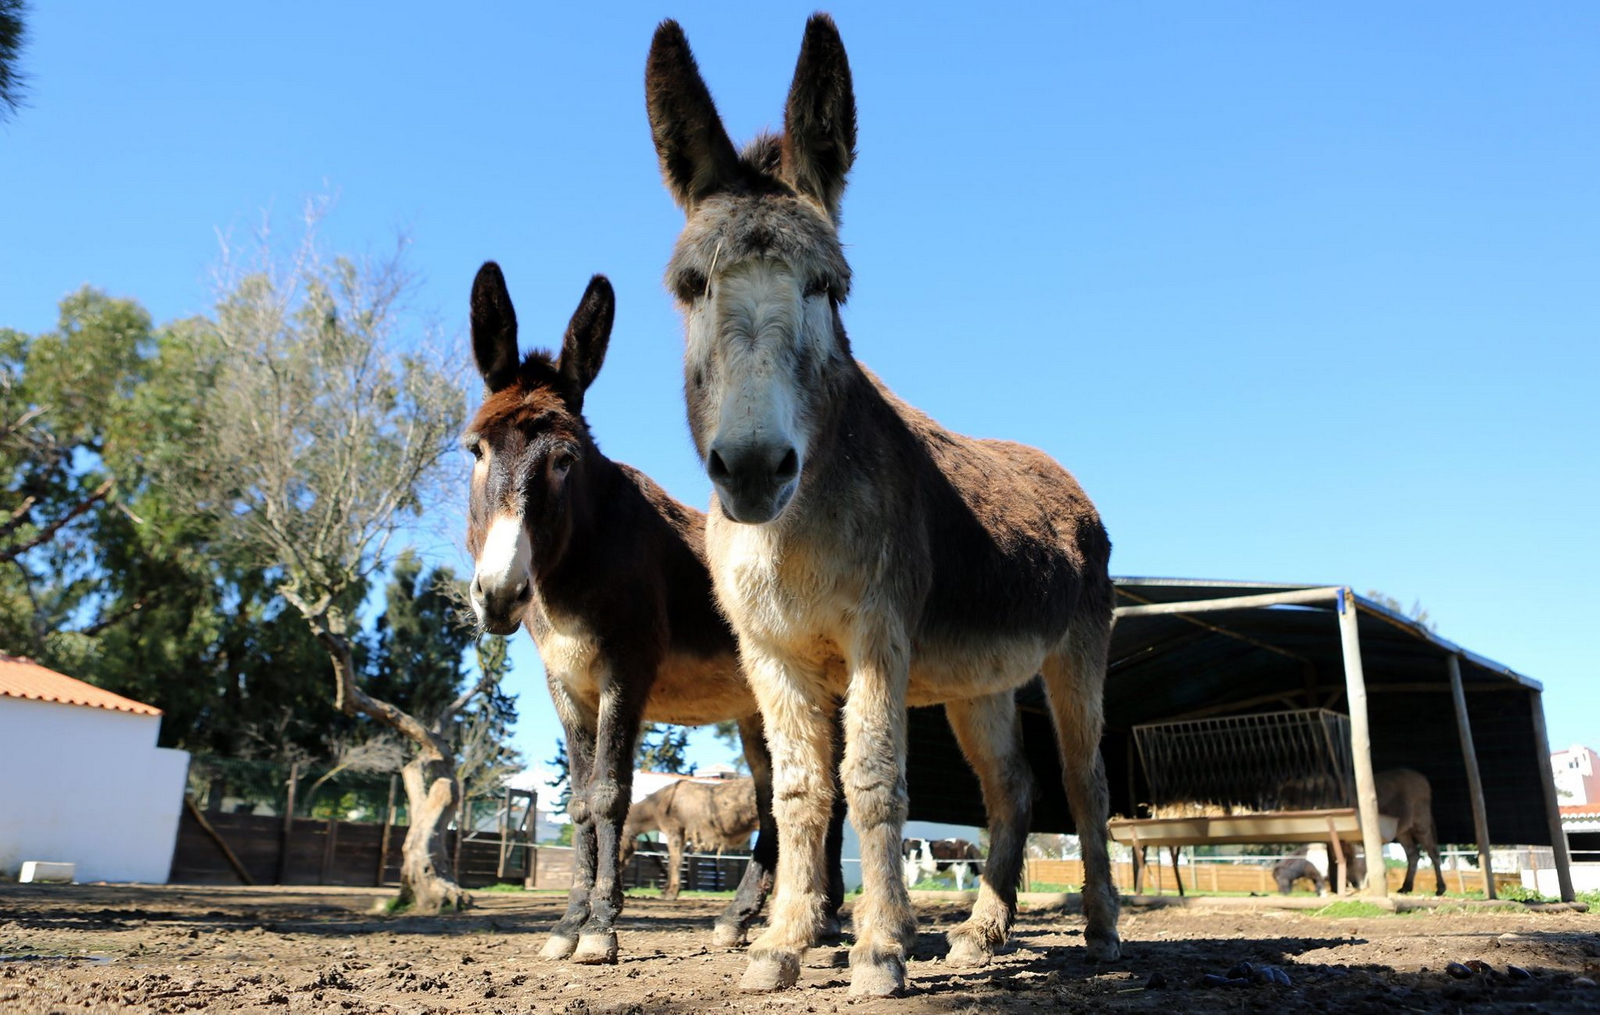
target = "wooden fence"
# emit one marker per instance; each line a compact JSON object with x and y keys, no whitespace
{"x":319,"y":852}
{"x":1236,"y":877}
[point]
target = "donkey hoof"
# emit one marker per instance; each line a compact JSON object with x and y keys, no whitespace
{"x":558,"y":947}
{"x":596,"y":949}
{"x":968,"y":950}
{"x":879,"y":976}
{"x":727,"y":935}
{"x":770,"y":971}
{"x":1106,"y":948}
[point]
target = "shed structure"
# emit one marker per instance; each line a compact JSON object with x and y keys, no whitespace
{"x":84,"y":782}
{"x":1188,"y":649}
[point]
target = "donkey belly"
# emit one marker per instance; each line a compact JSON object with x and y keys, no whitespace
{"x":696,"y":690}
{"x":943,"y":670}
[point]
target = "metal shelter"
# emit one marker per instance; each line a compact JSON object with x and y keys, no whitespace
{"x":1188,"y":649}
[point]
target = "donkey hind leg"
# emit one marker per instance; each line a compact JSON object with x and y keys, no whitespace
{"x":834,"y":845}
{"x":991,"y":738}
{"x":609,"y":790}
{"x":675,"y":840}
{"x":1430,"y":841}
{"x":734,"y":923}
{"x":799,"y":733}
{"x":1408,"y":842}
{"x":563,"y":939}
{"x":1074,"y":680}
{"x":874,"y":780}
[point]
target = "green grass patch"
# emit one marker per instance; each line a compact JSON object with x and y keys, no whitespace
{"x":935,"y":885}
{"x":1347,"y":908}
{"x":501,"y":887}
{"x":1591,"y":897}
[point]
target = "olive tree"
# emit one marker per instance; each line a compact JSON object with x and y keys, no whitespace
{"x":326,"y":434}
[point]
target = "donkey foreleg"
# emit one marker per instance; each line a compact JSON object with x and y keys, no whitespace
{"x":621,"y":709}
{"x":563,"y":938}
{"x":991,"y":738}
{"x":730,"y":928}
{"x":874,"y":781}
{"x":799,"y":723}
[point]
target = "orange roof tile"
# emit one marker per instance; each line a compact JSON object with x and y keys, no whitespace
{"x":24,"y":678}
{"x":1578,"y":810}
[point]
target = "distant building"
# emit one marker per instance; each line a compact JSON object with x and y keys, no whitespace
{"x":1577,"y":772}
{"x":84,"y":780}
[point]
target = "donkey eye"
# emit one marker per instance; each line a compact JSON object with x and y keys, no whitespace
{"x":562,"y":461}
{"x":477,"y":451}
{"x":691,"y":286}
{"x":817,"y":287}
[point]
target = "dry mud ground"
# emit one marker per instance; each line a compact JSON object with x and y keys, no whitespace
{"x":277,"y":950}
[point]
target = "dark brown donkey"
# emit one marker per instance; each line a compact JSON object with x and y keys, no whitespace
{"x":607,"y":572}
{"x":859,"y":549}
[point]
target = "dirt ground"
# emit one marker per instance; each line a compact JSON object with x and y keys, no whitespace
{"x":175,"y":949}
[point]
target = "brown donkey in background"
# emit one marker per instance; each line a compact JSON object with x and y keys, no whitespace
{"x":860,"y":549}
{"x":607,"y":572}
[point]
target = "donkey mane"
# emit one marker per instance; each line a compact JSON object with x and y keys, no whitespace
{"x":540,"y":395}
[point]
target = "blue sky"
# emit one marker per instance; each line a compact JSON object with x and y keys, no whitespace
{"x":1299,"y":294}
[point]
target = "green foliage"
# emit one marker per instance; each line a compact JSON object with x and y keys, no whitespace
{"x":662,"y":749}
{"x":418,"y":645}
{"x":562,"y":783}
{"x":113,"y":573}
{"x":1349,"y":908}
{"x":727,"y":731}
{"x":1520,"y":893}
{"x":13,"y":34}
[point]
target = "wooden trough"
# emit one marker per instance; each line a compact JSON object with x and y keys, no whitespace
{"x":1333,"y":826}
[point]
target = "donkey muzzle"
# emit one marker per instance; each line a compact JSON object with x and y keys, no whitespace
{"x":754,"y":481}
{"x":499,"y":605}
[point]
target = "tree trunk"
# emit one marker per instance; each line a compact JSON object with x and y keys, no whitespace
{"x":427,"y":882}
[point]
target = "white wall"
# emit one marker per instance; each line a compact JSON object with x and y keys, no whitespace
{"x":1545,"y":880}
{"x":88,"y":786}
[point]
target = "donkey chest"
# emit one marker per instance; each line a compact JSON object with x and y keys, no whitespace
{"x":570,"y":651}
{"x":685,"y":689}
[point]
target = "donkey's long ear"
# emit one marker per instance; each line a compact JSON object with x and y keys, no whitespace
{"x":697,"y":158}
{"x":494,"y":328}
{"x":819,"y":122}
{"x":589,"y":331}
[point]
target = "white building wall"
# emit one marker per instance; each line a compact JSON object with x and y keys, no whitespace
{"x":1577,"y":776}
{"x":88,"y":786}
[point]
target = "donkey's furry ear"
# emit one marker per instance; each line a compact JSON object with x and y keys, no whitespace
{"x":697,"y":157}
{"x":494,"y":328}
{"x":588,"y":333}
{"x":819,"y":121}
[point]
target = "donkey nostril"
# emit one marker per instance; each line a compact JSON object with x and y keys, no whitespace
{"x":716,"y":468}
{"x":788,"y":466}
{"x":523,"y":591}
{"x":477,"y":589}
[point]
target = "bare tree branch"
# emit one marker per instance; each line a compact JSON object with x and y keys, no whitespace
{"x":48,"y":533}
